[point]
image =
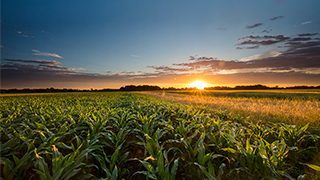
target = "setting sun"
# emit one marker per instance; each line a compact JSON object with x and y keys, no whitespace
{"x":199,"y":85}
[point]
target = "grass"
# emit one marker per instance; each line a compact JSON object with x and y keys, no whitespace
{"x":297,"y":107}
{"x":119,"y":135}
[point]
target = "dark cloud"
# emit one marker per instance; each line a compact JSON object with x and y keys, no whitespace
{"x":255,"y":42}
{"x":20,"y":64}
{"x":254,"y":26}
{"x":298,"y":55}
{"x":249,"y":37}
{"x":275,"y":38}
{"x":308,"y":34}
{"x":203,"y":58}
{"x":262,"y":43}
{"x":252,"y":47}
{"x":27,"y":67}
{"x":292,"y":45}
{"x":280,"y":68}
{"x":166,"y":68}
{"x":300,"y":39}
{"x":275,"y":18}
{"x":266,"y":31}
{"x":248,"y":47}
{"x":33,"y":61}
{"x":34,"y":73}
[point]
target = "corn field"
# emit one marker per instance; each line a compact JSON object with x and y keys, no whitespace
{"x":285,"y":106}
{"x":117,"y":135}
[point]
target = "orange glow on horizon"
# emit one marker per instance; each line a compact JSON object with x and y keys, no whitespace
{"x":199,"y":85}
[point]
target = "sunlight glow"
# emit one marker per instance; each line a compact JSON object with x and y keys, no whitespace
{"x":199,"y":84}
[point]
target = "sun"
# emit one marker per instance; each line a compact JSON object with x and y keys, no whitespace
{"x":199,"y":85}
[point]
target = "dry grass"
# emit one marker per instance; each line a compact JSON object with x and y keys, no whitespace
{"x":265,"y":109}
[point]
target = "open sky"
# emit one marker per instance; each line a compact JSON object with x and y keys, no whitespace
{"x":171,"y":43}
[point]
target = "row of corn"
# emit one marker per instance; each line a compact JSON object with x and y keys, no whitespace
{"x":133,"y":136}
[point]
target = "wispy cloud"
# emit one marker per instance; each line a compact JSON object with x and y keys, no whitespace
{"x":275,"y":18}
{"x":292,"y":59}
{"x":306,"y":22}
{"x":254,"y":26}
{"x":21,"y":64}
{"x":267,"y":54}
{"x":255,"y":42}
{"x":222,"y":29}
{"x":298,"y":59}
{"x":266,"y":31}
{"x":38,"y":53}
{"x":136,"y":56}
{"x":33,"y":61}
{"x":301,"y":39}
{"x":308,"y":34}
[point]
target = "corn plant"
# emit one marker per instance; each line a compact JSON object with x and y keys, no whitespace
{"x":118,"y":135}
{"x":159,"y":167}
{"x":112,"y":166}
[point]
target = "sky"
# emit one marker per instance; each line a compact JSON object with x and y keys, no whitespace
{"x":100,"y":44}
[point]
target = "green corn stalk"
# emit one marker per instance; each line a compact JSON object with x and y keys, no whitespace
{"x":114,"y":169}
{"x":159,"y":168}
{"x":273,"y":155}
{"x":65,"y":167}
{"x":17,"y":168}
{"x":152,"y":144}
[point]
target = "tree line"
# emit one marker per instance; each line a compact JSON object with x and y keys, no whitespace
{"x":152,"y":88}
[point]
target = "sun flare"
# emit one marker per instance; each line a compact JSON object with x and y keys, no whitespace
{"x":199,"y":85}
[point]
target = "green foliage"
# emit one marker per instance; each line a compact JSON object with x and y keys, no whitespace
{"x":118,"y":135}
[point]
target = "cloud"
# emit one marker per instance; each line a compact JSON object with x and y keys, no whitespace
{"x":33,"y":61}
{"x":300,"y":39}
{"x":222,"y":29}
{"x":254,"y":26}
{"x":307,"y":22}
{"x":249,"y":37}
{"x":302,"y":45}
{"x":298,"y":57}
{"x":255,"y":42}
{"x":296,"y":62}
{"x":19,"y":32}
{"x":275,"y":18}
{"x":308,"y":34}
{"x":170,"y":69}
{"x":252,"y":47}
{"x":136,"y":56}
{"x":267,"y":54}
{"x":1,"y":46}
{"x":278,"y":37}
{"x":38,"y":53}
{"x":25,"y":35}
{"x":20,"y":64}
{"x":266,"y":31}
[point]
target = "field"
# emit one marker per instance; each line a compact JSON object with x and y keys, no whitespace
{"x":298,"y":107}
{"x":116,"y":135}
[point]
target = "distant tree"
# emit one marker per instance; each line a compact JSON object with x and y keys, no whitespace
{"x":140,"y":88}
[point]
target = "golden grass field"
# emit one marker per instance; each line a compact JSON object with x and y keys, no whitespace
{"x":292,"y":111}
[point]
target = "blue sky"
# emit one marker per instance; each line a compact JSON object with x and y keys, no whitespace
{"x":109,"y":44}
